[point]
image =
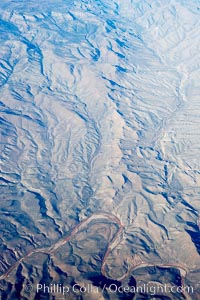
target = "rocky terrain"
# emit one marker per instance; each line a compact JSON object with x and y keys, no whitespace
{"x":100,"y":149}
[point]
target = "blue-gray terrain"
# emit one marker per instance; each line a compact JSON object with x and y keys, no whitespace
{"x":100,"y":148}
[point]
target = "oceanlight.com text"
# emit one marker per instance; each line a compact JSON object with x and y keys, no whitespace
{"x":149,"y":289}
